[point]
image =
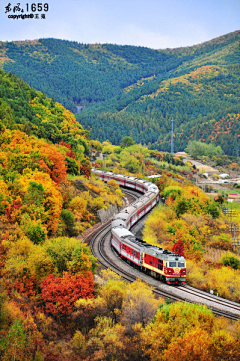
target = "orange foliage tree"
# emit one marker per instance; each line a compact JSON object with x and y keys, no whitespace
{"x":60,"y":294}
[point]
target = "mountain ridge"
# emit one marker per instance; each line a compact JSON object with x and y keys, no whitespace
{"x":111,"y":83}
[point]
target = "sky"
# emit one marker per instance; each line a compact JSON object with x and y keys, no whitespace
{"x":157,"y":24}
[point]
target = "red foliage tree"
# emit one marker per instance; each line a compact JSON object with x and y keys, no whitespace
{"x":60,"y":294}
{"x":85,"y":168}
{"x":179,"y":248}
{"x":65,"y":144}
{"x":71,"y":155}
{"x":25,"y":283}
{"x":16,"y":204}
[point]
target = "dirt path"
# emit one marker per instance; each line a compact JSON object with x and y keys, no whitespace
{"x":201,"y":166}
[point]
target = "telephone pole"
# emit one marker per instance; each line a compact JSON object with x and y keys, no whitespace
{"x":172,"y":137}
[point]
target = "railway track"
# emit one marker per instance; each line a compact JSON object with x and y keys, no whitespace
{"x":100,"y":243}
{"x":108,"y":258}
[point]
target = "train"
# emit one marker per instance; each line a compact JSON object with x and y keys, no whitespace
{"x":155,"y":261}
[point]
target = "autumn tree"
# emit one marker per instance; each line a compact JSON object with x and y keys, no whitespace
{"x":139,"y":305}
{"x":14,"y":344}
{"x":179,"y":248}
{"x":190,"y":332}
{"x":106,"y":341}
{"x":110,"y":299}
{"x":60,"y":294}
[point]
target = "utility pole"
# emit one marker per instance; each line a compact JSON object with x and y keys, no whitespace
{"x":172,"y":137}
{"x":234,"y":229}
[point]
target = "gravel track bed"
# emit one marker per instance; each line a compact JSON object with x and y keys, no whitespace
{"x":185,"y":292}
{"x":174,"y":291}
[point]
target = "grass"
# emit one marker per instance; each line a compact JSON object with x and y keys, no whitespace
{"x":233,"y":191}
{"x":213,"y":255}
{"x":165,"y":165}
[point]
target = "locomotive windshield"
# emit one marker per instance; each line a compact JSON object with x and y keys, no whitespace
{"x":181,"y":264}
{"x":176,"y":264}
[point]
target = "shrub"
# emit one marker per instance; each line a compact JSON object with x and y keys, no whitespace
{"x":37,"y":233}
{"x":68,"y":219}
{"x":229,"y":259}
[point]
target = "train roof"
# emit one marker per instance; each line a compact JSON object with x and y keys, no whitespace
{"x":116,"y":222}
{"x":164,"y":254}
{"x":150,"y":194}
{"x":153,"y":188}
{"x":145,"y":198}
{"x":145,"y":247}
{"x":138,"y":203}
{"x":127,"y":238}
{"x":142,"y":180}
{"x":157,"y":251}
{"x":122,"y":232}
{"x":123,"y":216}
{"x":125,"y":213}
{"x":132,"y":178}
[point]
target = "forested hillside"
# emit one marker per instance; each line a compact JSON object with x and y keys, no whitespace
{"x":83,"y":74}
{"x":41,"y":143}
{"x":51,"y":305}
{"x":136,"y":91}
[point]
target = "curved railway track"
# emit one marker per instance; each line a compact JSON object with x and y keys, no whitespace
{"x":108,"y":258}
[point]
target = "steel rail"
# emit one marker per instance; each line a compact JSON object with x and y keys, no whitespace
{"x":106,"y":261}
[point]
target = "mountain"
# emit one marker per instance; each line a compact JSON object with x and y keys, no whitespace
{"x":136,"y":91}
{"x":32,"y":112}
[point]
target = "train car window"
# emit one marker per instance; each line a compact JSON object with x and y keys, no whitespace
{"x":160,"y":264}
{"x":172,"y":264}
{"x":181,"y":264}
